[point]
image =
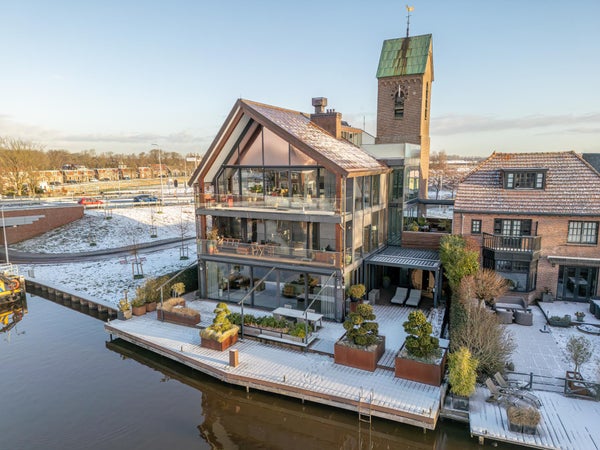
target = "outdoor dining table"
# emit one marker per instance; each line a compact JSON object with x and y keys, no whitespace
{"x":314,"y":318}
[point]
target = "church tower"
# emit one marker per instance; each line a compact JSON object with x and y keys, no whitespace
{"x":404,"y":78}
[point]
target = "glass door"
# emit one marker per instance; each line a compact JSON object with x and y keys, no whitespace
{"x":577,"y":283}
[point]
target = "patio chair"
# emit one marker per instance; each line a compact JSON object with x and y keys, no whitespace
{"x":414,"y":298}
{"x":400,"y":296}
{"x":496,"y":394}
{"x":515,"y":390}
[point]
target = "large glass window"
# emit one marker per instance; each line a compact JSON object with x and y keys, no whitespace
{"x":367,"y":191}
{"x":251,"y":152}
{"x":412,"y":190}
{"x":277,"y":150}
{"x":376,"y":189}
{"x":358,"y":193}
{"x":298,"y":158}
{"x":583,"y":232}
{"x":397,"y":185}
{"x":521,"y":275}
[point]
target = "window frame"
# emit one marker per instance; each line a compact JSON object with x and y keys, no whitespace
{"x":475,"y":226}
{"x":526,"y":179}
{"x":579,"y":230}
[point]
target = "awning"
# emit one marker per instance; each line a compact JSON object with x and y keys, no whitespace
{"x":411,"y":258}
{"x":574,"y":261}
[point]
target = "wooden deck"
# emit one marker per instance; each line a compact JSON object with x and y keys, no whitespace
{"x":306,"y":376}
{"x":566,"y":423}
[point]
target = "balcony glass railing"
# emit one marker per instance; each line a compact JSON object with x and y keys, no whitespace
{"x":526,"y":244}
{"x":270,"y":251}
{"x":259,"y":201}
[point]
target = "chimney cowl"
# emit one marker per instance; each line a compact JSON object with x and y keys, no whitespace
{"x":319,"y":103}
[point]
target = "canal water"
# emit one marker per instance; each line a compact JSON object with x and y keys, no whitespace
{"x":66,"y":386}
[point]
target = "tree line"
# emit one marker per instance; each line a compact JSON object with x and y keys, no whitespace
{"x":21,"y":161}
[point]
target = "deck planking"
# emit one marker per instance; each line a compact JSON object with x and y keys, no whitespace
{"x":308,"y":376}
{"x":566,"y":423}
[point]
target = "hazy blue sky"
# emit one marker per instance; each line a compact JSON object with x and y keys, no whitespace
{"x":121,"y":75}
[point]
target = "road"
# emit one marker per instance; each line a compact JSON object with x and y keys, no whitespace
{"x":17,"y":257}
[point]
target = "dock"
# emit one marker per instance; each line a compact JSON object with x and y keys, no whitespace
{"x":566,"y":424}
{"x":308,"y":376}
{"x":61,"y":294}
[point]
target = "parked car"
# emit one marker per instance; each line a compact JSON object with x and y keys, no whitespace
{"x":89,"y":201}
{"x":146,"y":198}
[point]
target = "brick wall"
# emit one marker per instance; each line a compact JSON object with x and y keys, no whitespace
{"x":552,"y":229}
{"x":54,"y":217}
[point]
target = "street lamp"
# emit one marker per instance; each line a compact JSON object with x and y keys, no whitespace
{"x":161,"y":172}
{"x":5,"y":241}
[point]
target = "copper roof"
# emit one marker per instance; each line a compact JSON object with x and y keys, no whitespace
{"x":341,"y":153}
{"x":404,"y":56}
{"x":572,"y":186}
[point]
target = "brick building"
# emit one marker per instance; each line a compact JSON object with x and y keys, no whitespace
{"x":536,"y":217}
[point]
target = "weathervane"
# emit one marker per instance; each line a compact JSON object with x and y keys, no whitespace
{"x":409,"y":9}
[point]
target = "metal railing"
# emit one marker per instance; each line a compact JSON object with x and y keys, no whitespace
{"x":525,"y":244}
{"x":269,"y":251}
{"x":572,"y":385}
{"x":262,"y":201}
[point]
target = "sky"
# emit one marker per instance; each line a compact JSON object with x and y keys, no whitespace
{"x":121,"y":75}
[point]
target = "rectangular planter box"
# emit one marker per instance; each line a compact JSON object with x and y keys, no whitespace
{"x":172,"y":317}
{"x":421,"y":372}
{"x":358,"y":358}
{"x":219,"y":346}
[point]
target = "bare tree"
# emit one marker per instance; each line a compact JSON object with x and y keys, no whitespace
{"x":18,"y":160}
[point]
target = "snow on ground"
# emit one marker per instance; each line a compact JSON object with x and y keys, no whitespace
{"x":541,"y":353}
{"x":128,"y":226}
{"x":108,"y":279}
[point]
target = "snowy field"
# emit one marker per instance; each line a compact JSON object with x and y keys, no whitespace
{"x":108,"y":279}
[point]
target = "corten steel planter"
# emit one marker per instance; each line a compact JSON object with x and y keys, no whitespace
{"x":151,"y":307}
{"x":173,"y":317}
{"x":421,"y":372}
{"x":357,"y":357}
{"x":219,"y":346}
{"x":139,"y":310}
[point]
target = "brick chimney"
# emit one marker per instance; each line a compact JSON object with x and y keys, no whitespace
{"x":329,"y":120}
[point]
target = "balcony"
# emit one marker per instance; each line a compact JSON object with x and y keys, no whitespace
{"x":512,"y":244}
{"x":258,"y":202}
{"x":230,"y":247}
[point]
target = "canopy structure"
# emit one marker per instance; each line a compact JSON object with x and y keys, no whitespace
{"x":411,"y":258}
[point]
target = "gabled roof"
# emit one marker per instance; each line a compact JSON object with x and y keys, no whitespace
{"x":572,"y":186}
{"x":404,"y":56}
{"x":337,"y":155}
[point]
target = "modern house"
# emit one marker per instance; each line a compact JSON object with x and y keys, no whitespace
{"x":292,"y":208}
{"x":536,"y":217}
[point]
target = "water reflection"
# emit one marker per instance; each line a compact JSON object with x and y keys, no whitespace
{"x":11,"y":313}
{"x":234,"y":419}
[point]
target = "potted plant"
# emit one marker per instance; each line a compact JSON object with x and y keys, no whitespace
{"x":386,"y":282}
{"x":557,"y":321}
{"x":361,"y":346}
{"x":222,"y":334}
{"x":212,"y":236}
{"x":547,"y":295}
{"x":579,"y":315}
{"x":462,"y":376}
{"x":150,"y":305}
{"x":139,"y":306}
{"x":420,"y":358}
{"x":523,"y":419}
{"x":356,"y":292}
{"x":124,"y":311}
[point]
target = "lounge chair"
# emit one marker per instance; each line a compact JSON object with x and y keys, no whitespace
{"x":400,"y":296}
{"x":511,"y":393}
{"x":414,"y":298}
